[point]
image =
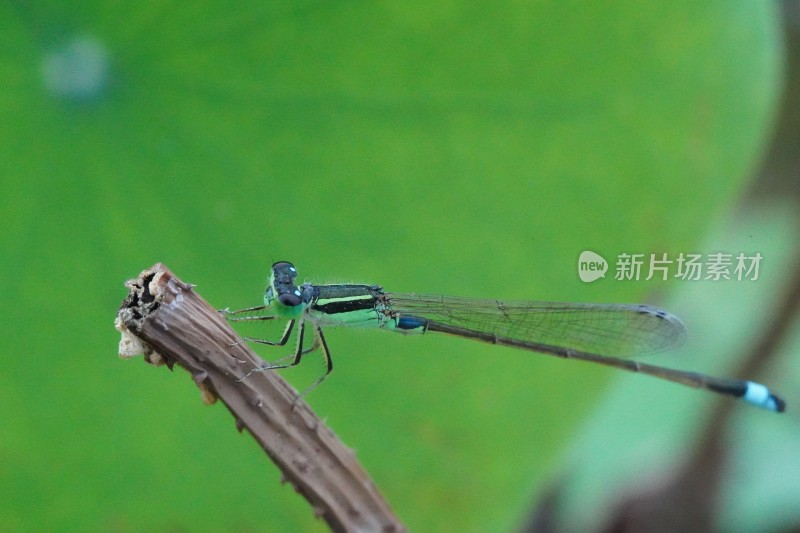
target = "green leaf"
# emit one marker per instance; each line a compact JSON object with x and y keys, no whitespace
{"x":466,"y":149}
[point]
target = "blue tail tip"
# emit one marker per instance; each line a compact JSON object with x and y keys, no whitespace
{"x":760,"y":396}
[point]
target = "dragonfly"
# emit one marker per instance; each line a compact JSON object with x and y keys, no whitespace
{"x":606,"y":334}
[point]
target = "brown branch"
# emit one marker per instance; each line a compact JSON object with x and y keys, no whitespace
{"x":169,"y":322}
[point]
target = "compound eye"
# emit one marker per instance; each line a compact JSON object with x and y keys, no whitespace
{"x":284,"y":269}
{"x":289,"y":300}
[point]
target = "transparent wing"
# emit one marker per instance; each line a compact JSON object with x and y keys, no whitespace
{"x":620,"y":330}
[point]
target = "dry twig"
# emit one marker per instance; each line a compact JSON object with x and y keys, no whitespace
{"x":169,"y":322}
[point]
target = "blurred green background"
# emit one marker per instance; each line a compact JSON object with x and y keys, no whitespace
{"x":472,"y":149}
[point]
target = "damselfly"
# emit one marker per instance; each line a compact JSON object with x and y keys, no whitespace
{"x":608,"y":334}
